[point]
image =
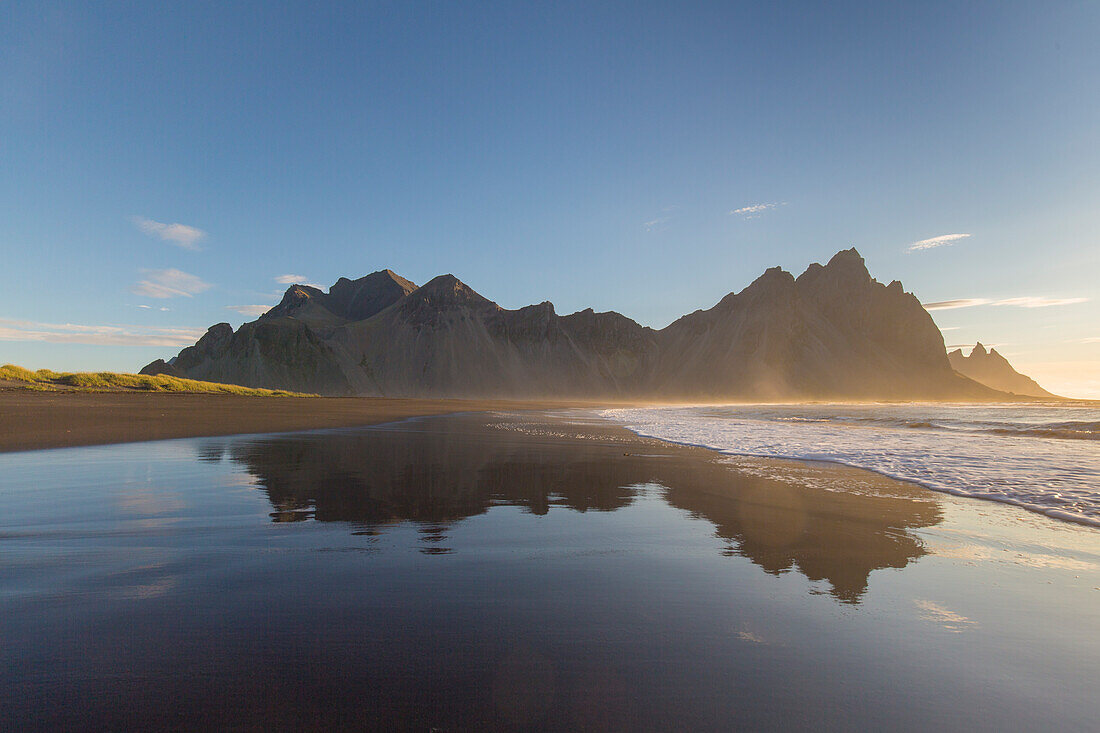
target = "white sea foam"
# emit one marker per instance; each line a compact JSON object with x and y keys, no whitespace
{"x":1045,"y":458}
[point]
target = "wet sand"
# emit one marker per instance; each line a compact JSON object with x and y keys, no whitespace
{"x":35,"y":420}
{"x":526,"y":571}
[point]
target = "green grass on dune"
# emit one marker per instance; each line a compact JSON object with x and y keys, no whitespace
{"x":47,"y":380}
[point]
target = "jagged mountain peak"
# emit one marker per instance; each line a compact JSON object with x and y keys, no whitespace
{"x":847,"y":258}
{"x":775,"y":282}
{"x":993,"y":370}
{"x":353,"y":300}
{"x":296,"y":300}
{"x":376,"y":279}
{"x":302,"y":291}
{"x":832,"y":332}
{"x":444,"y":281}
{"x":448,"y":290}
{"x":360,"y":299}
{"x":218,"y":332}
{"x":774,"y":274}
{"x":846,"y":269}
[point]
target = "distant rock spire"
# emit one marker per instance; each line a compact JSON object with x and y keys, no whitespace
{"x":993,"y":370}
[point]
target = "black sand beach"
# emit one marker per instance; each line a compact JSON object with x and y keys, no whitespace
{"x":525,"y":570}
{"x":34,"y":420}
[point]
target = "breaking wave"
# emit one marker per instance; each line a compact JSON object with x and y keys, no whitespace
{"x":1044,"y":458}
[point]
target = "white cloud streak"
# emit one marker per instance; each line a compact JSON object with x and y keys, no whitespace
{"x":250,"y":310}
{"x":943,"y":240}
{"x":181,"y":235}
{"x":169,"y":283}
{"x":942,"y":305}
{"x":1032,"y":302}
{"x":108,"y":335}
{"x":754,"y":210}
{"x":971,"y":346}
{"x":296,"y":280}
{"x":1021,"y":302}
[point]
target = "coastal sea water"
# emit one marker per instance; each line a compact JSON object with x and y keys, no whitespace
{"x":521,"y":573}
{"x":1042,"y":457}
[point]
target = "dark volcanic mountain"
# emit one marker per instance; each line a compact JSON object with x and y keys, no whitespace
{"x":832,"y":333}
{"x":993,"y":370}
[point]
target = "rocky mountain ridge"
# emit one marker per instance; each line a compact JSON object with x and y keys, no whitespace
{"x":834,"y":332}
{"x":993,"y":370}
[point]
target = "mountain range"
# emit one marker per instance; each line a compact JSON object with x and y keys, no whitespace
{"x":993,"y":370}
{"x":833,"y":332}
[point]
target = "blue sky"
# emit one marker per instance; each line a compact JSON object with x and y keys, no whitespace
{"x":163,"y":165}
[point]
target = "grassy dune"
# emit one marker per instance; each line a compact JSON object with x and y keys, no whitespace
{"x":16,"y":377}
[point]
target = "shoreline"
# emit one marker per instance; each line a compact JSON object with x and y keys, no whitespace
{"x":33,"y":420}
{"x":45,"y":420}
{"x":971,"y":488}
{"x":1057,"y":514}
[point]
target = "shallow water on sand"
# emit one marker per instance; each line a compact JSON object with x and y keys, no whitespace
{"x":1043,"y":457}
{"x":451,"y":574}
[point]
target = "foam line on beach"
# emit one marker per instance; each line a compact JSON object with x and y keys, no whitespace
{"x":960,"y":474}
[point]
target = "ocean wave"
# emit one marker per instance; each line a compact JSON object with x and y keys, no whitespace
{"x":1039,"y":458}
{"x":1065,"y":431}
{"x":1072,"y":430}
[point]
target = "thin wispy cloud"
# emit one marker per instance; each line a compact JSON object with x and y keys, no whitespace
{"x":659,"y":222}
{"x":1089,"y":340}
{"x":171,"y":283}
{"x":942,"y":305}
{"x":181,"y":235}
{"x":250,"y":310}
{"x":969,"y":346}
{"x":295,"y":280}
{"x":106,"y":335}
{"x":151,"y":308}
{"x":753,"y":211}
{"x":1021,"y":302}
{"x":943,"y":240}
{"x":1032,"y":302}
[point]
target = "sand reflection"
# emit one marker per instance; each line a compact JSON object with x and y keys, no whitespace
{"x":439,"y":471}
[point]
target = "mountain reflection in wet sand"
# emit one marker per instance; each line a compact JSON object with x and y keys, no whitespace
{"x":441,"y":471}
{"x":522,"y":572}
